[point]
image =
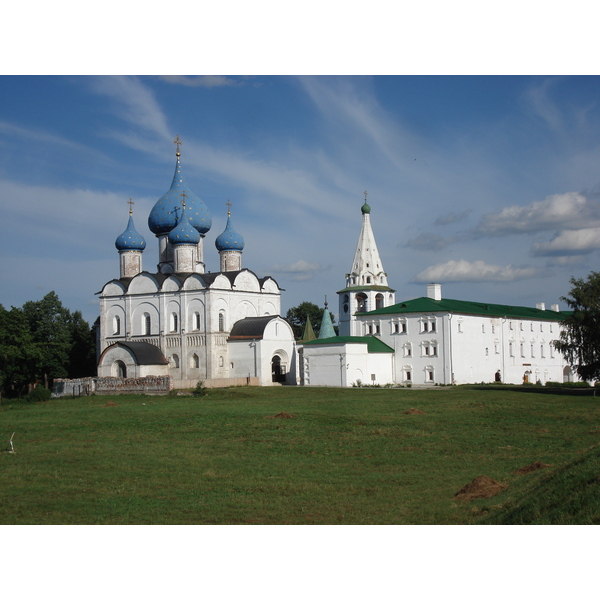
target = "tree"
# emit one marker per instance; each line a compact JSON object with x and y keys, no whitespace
{"x":296,"y":317}
{"x":18,"y":352}
{"x":580,"y":336}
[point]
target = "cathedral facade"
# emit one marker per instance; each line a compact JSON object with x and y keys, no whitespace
{"x":221,"y":328}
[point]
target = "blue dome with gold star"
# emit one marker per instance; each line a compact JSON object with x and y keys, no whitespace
{"x":230,"y":239}
{"x":130,"y":239}
{"x":184,"y":232}
{"x":165,"y":214}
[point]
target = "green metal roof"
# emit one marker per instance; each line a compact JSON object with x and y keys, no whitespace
{"x":427,"y":305}
{"x":374,"y":344}
{"x":358,"y":288}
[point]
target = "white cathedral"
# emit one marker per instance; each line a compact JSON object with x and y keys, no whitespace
{"x":222,"y":328}
{"x":225,"y":328}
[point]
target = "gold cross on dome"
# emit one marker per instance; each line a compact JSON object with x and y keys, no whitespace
{"x":177,"y":142}
{"x":365,"y":193}
{"x":228,"y":207}
{"x":131,"y":203}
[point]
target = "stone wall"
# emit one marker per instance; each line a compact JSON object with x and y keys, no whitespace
{"x":73,"y":387}
{"x":133,"y":385}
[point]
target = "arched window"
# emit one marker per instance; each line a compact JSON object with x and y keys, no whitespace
{"x":361,"y":300}
{"x":175,"y":359}
{"x":197,"y":321}
{"x":174,"y":322}
{"x":195,"y":361}
{"x":378,"y":301}
{"x":221,"y":361}
{"x":116,"y":325}
{"x":147,"y":324}
{"x":221,"y":321}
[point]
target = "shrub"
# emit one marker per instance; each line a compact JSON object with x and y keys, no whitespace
{"x":38,"y":394}
{"x":200,"y":389}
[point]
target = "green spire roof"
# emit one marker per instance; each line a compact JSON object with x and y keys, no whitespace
{"x":309,"y":333}
{"x":326,"y":330}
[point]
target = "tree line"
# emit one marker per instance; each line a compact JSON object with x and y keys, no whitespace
{"x":42,"y":341}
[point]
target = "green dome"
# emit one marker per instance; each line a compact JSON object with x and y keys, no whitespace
{"x":365,"y":209}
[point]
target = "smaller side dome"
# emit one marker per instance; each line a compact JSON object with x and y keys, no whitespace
{"x":184,"y":232}
{"x":130,"y":239}
{"x":230,"y":239}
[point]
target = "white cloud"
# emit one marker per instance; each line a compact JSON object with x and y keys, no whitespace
{"x":301,"y":270}
{"x":136,"y":101}
{"x":463,"y":270}
{"x":559,"y":211}
{"x":578,"y":241}
{"x":208,"y":81}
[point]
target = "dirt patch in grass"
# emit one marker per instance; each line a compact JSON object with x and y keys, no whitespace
{"x":414,"y":411}
{"x":110,"y":404}
{"x":481,"y":487}
{"x":536,"y":466}
{"x":281,"y":415}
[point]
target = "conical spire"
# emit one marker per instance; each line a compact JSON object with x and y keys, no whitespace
{"x":326,"y":330}
{"x":130,"y":239}
{"x":164,"y":214}
{"x":309,"y":333}
{"x":367,"y":269}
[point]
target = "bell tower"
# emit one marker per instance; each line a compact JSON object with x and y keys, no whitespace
{"x":366,"y":284}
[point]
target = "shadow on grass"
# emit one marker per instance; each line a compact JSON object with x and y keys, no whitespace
{"x":538,"y":389}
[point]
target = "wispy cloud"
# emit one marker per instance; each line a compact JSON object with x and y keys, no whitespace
{"x":538,"y":98}
{"x":136,"y":103}
{"x":559,"y":211}
{"x":576,"y":241}
{"x":299,"y":271}
{"x":465,"y":271}
{"x":207,"y":81}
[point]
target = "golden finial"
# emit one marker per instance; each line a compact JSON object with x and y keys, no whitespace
{"x":178,"y":143}
{"x":365,"y":193}
{"x":131,"y":203}
{"x":228,"y":207}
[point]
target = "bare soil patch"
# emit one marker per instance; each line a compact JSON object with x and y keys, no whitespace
{"x":481,"y":487}
{"x":414,"y":411}
{"x":281,"y":415}
{"x":536,"y":466}
{"x":110,"y":404}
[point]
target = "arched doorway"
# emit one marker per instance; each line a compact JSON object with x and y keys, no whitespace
{"x":567,"y":375}
{"x":119,"y":369}
{"x":277,"y":370}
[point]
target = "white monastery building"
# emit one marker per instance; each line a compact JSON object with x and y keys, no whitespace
{"x":222,"y":328}
{"x":225,"y":328}
{"x":429,"y":340}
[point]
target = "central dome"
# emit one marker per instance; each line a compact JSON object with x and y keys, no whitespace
{"x":166,"y":212}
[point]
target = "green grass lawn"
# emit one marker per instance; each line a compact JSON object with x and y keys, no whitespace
{"x":347,"y":456}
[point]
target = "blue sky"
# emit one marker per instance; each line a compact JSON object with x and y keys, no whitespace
{"x":487,"y":184}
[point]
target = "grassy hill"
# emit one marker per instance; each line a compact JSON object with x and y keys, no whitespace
{"x":301,"y":456}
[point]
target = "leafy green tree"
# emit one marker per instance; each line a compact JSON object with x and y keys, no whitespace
{"x":82,"y":354}
{"x":18,"y":352}
{"x":580,"y":337}
{"x":297,"y":315}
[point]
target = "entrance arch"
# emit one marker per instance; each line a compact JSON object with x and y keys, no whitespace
{"x":119,"y":369}
{"x":277,"y":370}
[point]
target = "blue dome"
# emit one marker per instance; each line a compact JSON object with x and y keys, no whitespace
{"x":164,"y":215}
{"x":230,"y":239}
{"x":184,"y":232}
{"x":130,"y":239}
